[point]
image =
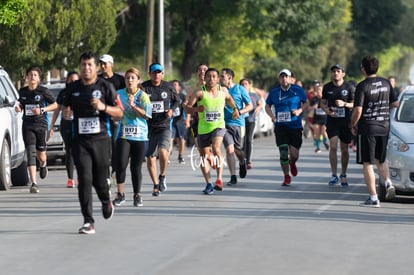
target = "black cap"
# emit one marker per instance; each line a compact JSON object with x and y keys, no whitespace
{"x":316,"y":83}
{"x":338,"y":66}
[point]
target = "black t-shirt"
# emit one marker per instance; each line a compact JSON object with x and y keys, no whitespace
{"x":344,"y":92}
{"x":178,"y":112}
{"x":117,"y":80}
{"x":37,"y":98}
{"x":88,"y":122}
{"x":374,"y":95}
{"x":163,"y":98}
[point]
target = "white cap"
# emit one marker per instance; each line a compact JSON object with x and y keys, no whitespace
{"x":106,"y":58}
{"x":285,"y":71}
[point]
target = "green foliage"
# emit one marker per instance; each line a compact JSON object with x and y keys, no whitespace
{"x":10,"y":10}
{"x":55,"y":33}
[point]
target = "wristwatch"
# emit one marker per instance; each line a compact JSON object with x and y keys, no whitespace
{"x":42,"y":110}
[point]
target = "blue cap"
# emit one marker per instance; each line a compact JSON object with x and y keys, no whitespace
{"x":155,"y":67}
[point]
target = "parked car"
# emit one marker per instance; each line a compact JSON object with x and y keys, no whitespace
{"x":400,"y":152}
{"x":264,"y":125}
{"x":13,"y":163}
{"x":55,"y":145}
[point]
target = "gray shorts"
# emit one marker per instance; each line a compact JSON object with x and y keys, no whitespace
{"x":158,"y":139}
{"x":234,"y":135}
{"x":205,"y":140}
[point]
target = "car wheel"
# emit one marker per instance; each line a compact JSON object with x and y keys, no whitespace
{"x":382,"y":191}
{"x":5,"y":166}
{"x":20,"y":175}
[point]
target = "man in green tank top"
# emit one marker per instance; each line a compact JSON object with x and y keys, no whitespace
{"x":211,"y":99}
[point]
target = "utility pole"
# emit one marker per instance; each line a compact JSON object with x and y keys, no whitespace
{"x":150,"y":34}
{"x":161,"y":32}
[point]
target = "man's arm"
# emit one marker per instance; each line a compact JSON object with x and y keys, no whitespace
{"x":268,"y":109}
{"x":356,"y":115}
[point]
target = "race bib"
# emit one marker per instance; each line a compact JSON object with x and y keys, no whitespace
{"x":320,"y":112}
{"x":338,"y":112}
{"x":130,"y":131}
{"x":28,"y":109}
{"x":284,"y":117}
{"x":157,"y":106}
{"x":212,"y":116}
{"x":176,"y":112}
{"x":89,"y":125}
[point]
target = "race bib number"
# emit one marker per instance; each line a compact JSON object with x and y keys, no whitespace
{"x":89,"y":125}
{"x":29,"y":107}
{"x":211,"y":116}
{"x":130,"y":131}
{"x":320,"y":112}
{"x":284,"y":117}
{"x":176,"y":112}
{"x":338,"y":112}
{"x":157,"y":106}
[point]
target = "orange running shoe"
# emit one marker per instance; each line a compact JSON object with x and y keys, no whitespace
{"x":70,"y":183}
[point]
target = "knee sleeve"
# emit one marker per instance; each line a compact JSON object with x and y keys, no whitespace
{"x":31,"y":155}
{"x":284,"y":154}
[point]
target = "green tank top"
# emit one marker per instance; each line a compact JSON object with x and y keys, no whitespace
{"x":213,"y":115}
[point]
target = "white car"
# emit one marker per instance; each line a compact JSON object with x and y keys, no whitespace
{"x":55,"y":146}
{"x":400,"y":150}
{"x":264,"y":125}
{"x":13,"y":163}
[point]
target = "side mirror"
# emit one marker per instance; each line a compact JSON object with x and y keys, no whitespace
{"x":8,"y":101}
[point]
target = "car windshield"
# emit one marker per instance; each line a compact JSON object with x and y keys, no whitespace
{"x":405,"y":112}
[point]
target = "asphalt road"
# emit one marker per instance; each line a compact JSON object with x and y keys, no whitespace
{"x":256,"y":227}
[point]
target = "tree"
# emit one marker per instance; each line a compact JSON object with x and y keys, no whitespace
{"x":55,"y":33}
{"x":10,"y":11}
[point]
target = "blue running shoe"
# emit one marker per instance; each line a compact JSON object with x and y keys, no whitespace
{"x":334,"y":181}
{"x":209,"y":190}
{"x":344,"y":181}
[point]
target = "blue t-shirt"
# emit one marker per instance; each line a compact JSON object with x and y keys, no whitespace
{"x":132,"y":126}
{"x":286,"y":101}
{"x":241,"y":97}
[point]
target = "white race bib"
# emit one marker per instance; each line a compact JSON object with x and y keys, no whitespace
{"x":212,"y":116}
{"x":157,"y":106}
{"x":89,"y":125}
{"x":130,"y":131}
{"x":176,"y":112}
{"x":320,"y":112}
{"x":284,"y":117}
{"x":338,"y":112}
{"x":28,"y":109}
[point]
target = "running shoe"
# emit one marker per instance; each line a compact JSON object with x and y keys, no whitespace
{"x":333,"y":181}
{"x":390,"y":194}
{"x":370,"y":203}
{"x":156,"y":190}
{"x":344,"y":181}
{"x":87,"y":228}
{"x":43,"y":172}
{"x":293,"y":169}
{"x":107,"y":210}
{"x":34,"y":188}
{"x":249,"y":165}
{"x":243,"y":170}
{"x":163,"y":183}
{"x":317,"y":150}
{"x":138,"y":200}
{"x":287,"y":181}
{"x":233,"y":180}
{"x":70,"y":183}
{"x":119,"y":199}
{"x":209,"y":190}
{"x":218,"y":185}
{"x":181,"y":160}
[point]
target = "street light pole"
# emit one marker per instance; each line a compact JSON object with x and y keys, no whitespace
{"x":161,"y":32}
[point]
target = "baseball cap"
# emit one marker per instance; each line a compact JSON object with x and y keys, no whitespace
{"x":286,"y":72}
{"x":316,"y":82}
{"x":155,"y":67}
{"x":106,"y":58}
{"x":338,"y":66}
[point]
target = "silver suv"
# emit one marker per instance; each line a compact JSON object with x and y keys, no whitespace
{"x":13,"y":164}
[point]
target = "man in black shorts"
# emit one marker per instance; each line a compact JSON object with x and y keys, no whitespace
{"x":337,"y":102}
{"x":371,"y":115}
{"x":93,"y":101}
{"x":34,"y":102}
{"x":164,"y":100}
